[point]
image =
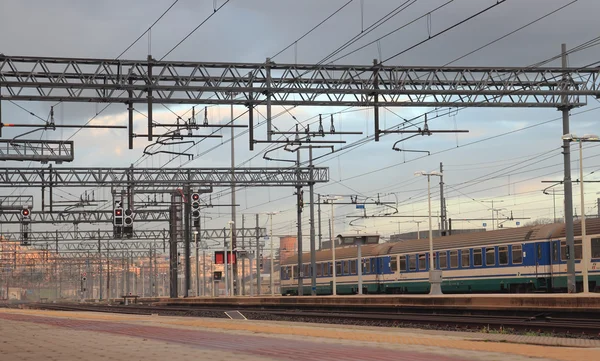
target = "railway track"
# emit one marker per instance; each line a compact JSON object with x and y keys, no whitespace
{"x":539,"y":324}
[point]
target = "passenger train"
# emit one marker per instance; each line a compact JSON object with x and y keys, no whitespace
{"x":516,"y":260}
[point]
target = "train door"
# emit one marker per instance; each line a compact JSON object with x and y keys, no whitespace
{"x":543,"y":266}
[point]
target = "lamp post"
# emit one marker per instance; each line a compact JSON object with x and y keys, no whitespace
{"x":197,"y":274}
{"x":435,"y":276}
{"x":584,"y":242}
{"x":333,"y":199}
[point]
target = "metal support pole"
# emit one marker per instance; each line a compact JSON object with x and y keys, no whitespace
{"x":187,"y":226}
{"x":584,"y":242}
{"x":150,"y":276}
{"x":272,"y":281}
{"x":268,"y":85}
{"x":173,"y":266}
{"x":149,"y":97}
{"x":565,"y":108}
{"x":250,"y":120}
{"x":442,"y":203}
{"x":197,"y":265}
{"x":332,"y":238}
{"x":376,"y":99}
{"x":130,"y":111}
{"x":244,"y":259}
{"x":299,"y":201}
{"x":226,"y":268}
{"x":359,"y":266}
{"x":234,"y":268}
{"x":319,"y":221}
{"x":435,"y":286}
{"x":231,"y":278}
{"x":313,"y":252}
{"x":204,"y":272}
{"x":257,"y":259}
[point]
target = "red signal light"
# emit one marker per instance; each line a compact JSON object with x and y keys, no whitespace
{"x":25,"y":212}
{"x":118,"y":212}
{"x":195,"y":196}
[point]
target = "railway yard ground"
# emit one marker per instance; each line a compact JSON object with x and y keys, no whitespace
{"x":64,"y":335}
{"x":295,"y":328}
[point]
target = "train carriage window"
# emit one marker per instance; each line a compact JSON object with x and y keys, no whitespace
{"x":319,"y":269}
{"x":443,"y":260}
{"x":346,"y":267}
{"x":394,"y":263}
{"x":578,"y":249}
{"x":307,"y":270}
{"x":477,"y":258}
{"x":490,"y":257}
{"x":353,"y":269}
{"x":374,"y":265}
{"x":595,"y":247}
{"x":331,"y":269}
{"x":466,"y":261}
{"x":412,"y":262}
{"x":563,"y":250}
{"x":366,"y":265}
{"x":295,"y":275}
{"x":338,"y":268}
{"x":517,"y":254}
{"x":554,"y":252}
{"x":503,"y":255}
{"x":453,"y":259}
{"x":326,"y":268}
{"x":403,"y":263}
{"x":422,"y":262}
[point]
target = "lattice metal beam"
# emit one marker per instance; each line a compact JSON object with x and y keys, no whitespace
{"x":15,"y":203}
{"x":37,"y":150}
{"x":106,"y":80}
{"x":83,"y":216}
{"x":154,"y":177}
{"x":93,"y":236}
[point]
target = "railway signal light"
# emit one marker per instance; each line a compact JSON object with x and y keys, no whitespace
{"x":196,"y":209}
{"x":217,"y":275}
{"x":118,"y":217}
{"x":128,"y":223}
{"x":118,"y":222}
{"x":25,"y":215}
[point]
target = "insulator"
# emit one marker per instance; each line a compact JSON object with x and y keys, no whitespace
{"x":205,"y":115}
{"x":321,"y":125}
{"x":331,"y":127}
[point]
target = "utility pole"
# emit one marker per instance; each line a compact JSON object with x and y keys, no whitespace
{"x":313,"y":252}
{"x":565,"y":108}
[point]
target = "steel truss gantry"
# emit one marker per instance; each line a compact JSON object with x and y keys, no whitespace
{"x":165,"y":177}
{"x":179,"y":82}
{"x":107,"y":235}
{"x":83,"y":216}
{"x":37,"y":150}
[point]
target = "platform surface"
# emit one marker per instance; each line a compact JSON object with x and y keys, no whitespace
{"x":65,"y":336}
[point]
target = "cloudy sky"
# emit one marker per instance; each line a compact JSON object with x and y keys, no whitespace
{"x":504,"y":157}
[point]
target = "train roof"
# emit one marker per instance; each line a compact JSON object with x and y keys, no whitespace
{"x":506,"y":235}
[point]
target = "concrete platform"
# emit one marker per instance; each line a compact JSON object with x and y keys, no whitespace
{"x":65,"y":336}
{"x":521,"y":302}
